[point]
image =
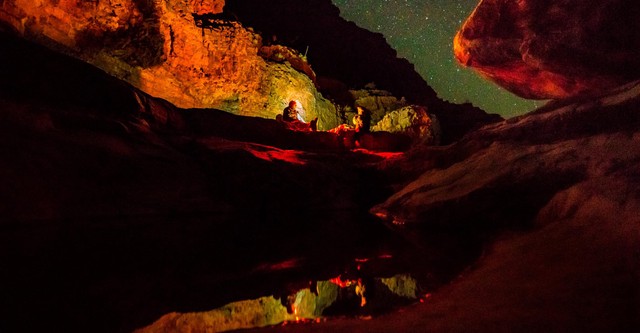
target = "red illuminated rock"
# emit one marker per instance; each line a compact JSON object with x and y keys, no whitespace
{"x":545,"y":49}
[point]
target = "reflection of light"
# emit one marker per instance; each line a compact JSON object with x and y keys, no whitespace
{"x":341,"y":283}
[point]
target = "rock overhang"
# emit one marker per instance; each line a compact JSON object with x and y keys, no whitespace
{"x":551,"y":49}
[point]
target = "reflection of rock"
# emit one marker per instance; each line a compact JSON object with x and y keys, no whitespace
{"x":260,"y":312}
{"x":550,"y":49}
{"x":304,"y":305}
{"x":413,"y":121}
{"x":311,"y":304}
{"x":160,"y":48}
{"x":402,"y":285}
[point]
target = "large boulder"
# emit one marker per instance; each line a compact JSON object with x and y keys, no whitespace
{"x":178,"y":50}
{"x":413,"y":121}
{"x":546,"y":49}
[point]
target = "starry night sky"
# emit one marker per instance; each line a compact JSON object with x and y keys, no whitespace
{"x":422,"y":31}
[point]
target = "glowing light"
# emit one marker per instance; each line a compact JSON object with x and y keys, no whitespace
{"x":301,"y":111}
{"x":382,"y":215}
{"x":341,"y":283}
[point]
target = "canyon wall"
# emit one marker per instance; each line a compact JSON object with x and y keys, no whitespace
{"x":181,"y":51}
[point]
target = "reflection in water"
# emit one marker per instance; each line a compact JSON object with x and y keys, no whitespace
{"x":125,"y":273}
{"x":306,"y":305}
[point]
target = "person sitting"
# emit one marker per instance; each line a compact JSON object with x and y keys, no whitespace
{"x":362,"y":123}
{"x":291,"y":115}
{"x":362,"y":120}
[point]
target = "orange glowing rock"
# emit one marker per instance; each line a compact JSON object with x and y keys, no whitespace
{"x":184,"y":51}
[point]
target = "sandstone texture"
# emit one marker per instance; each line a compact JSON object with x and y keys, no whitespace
{"x":176,"y":50}
{"x":552,"y":49}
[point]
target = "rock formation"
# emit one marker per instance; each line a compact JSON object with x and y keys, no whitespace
{"x":349,"y":57}
{"x":414,"y":121}
{"x":306,"y":305}
{"x":117,"y":207}
{"x":337,"y":48}
{"x":378,"y":102}
{"x":180,"y":51}
{"x":552,"y":49}
{"x":194,"y":55}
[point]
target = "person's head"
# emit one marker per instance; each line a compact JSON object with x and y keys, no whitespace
{"x":292,"y":104}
